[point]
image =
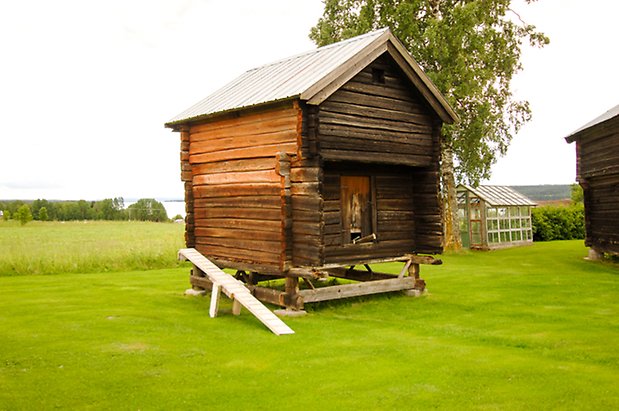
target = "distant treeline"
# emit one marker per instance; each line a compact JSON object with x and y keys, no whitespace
{"x":545,"y":192}
{"x":145,"y":209}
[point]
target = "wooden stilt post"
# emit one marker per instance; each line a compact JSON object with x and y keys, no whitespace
{"x":413,"y":271}
{"x":236,"y":307}
{"x":292,"y":294}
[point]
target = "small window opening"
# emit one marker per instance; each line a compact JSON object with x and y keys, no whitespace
{"x":378,"y":76}
{"x":357,"y":210}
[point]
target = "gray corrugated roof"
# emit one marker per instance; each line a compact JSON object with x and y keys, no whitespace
{"x":280,"y":80}
{"x":500,"y":196}
{"x":308,"y":74}
{"x":613,"y":112}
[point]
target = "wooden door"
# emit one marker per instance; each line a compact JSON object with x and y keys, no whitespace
{"x":356,"y":207}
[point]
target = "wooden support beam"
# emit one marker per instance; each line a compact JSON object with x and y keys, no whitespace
{"x":354,"y":290}
{"x":359,"y":275}
{"x":268,"y":295}
{"x":413,"y":272}
{"x":425,"y":259}
{"x":291,"y":297}
{"x":201,"y":282}
{"x":405,"y":268}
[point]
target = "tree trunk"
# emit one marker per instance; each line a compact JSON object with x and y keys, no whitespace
{"x":452,"y":240}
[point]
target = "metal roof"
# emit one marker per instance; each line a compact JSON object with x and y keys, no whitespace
{"x":499,"y":195}
{"x":613,"y":112}
{"x":308,"y":74}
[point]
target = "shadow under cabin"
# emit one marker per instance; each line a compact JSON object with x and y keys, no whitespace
{"x":318,"y":166}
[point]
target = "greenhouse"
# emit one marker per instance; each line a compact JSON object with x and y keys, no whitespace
{"x":494,"y":217}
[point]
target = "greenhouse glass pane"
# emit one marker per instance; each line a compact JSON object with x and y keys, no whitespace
{"x":515,"y":223}
{"x":492,"y":212}
{"x":514,"y":212}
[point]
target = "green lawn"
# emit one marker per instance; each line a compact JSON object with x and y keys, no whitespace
{"x":87,"y":246}
{"x":529,"y":328}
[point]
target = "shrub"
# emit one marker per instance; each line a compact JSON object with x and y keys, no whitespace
{"x":43,"y":216}
{"x":23,"y":214}
{"x":558,"y":223}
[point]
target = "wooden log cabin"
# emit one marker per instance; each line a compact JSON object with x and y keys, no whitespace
{"x":597,"y":171}
{"x":315,"y":164}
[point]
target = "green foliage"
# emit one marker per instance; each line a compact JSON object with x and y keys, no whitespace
{"x":558,"y":223}
{"x":87,"y":246}
{"x":6,"y":215}
{"x":23,"y":214}
{"x":49,"y":206}
{"x":147,"y":209}
{"x":521,"y":336}
{"x":470,"y":49}
{"x":43,"y":216}
{"x":577,"y":195}
{"x":110,"y":209}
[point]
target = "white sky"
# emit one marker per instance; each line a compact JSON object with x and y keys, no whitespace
{"x":85,"y":86}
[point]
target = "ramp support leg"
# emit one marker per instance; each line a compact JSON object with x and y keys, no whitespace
{"x":215,"y":294}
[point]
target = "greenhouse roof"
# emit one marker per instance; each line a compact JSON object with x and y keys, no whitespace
{"x":499,"y":195}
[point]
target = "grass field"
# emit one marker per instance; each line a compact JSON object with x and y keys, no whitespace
{"x":528,"y":328}
{"x":87,"y":246}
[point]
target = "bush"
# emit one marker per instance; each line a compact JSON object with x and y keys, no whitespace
{"x":23,"y":214}
{"x":558,"y":223}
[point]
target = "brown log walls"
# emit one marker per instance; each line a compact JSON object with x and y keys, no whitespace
{"x":240,"y":172}
{"x":597,"y":156}
{"x":379,"y":118}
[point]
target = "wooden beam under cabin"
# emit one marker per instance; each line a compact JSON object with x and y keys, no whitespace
{"x":355,"y":290}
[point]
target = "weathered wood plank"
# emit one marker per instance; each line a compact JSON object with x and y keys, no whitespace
{"x":238,"y":190}
{"x":264,"y":176}
{"x":258,"y":137}
{"x":247,"y":164}
{"x":355,"y":290}
{"x":233,"y":289}
{"x":268,"y":150}
{"x":238,"y":213}
{"x":258,"y":201}
{"x":369,"y":157}
{"x":248,"y":225}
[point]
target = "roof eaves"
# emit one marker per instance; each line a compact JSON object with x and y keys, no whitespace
{"x":606,"y":116}
{"x":173,"y":124}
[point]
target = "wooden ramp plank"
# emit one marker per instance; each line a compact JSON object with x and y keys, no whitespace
{"x":234,"y":289}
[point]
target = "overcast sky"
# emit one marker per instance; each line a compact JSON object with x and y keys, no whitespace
{"x":85,"y":86}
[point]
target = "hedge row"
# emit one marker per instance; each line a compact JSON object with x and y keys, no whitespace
{"x":558,"y":223}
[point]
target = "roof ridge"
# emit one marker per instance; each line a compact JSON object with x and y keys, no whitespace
{"x":319,"y":49}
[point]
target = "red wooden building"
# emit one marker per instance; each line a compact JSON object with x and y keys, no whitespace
{"x":324,"y":160}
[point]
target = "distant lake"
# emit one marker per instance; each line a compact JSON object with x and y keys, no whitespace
{"x":172,"y":208}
